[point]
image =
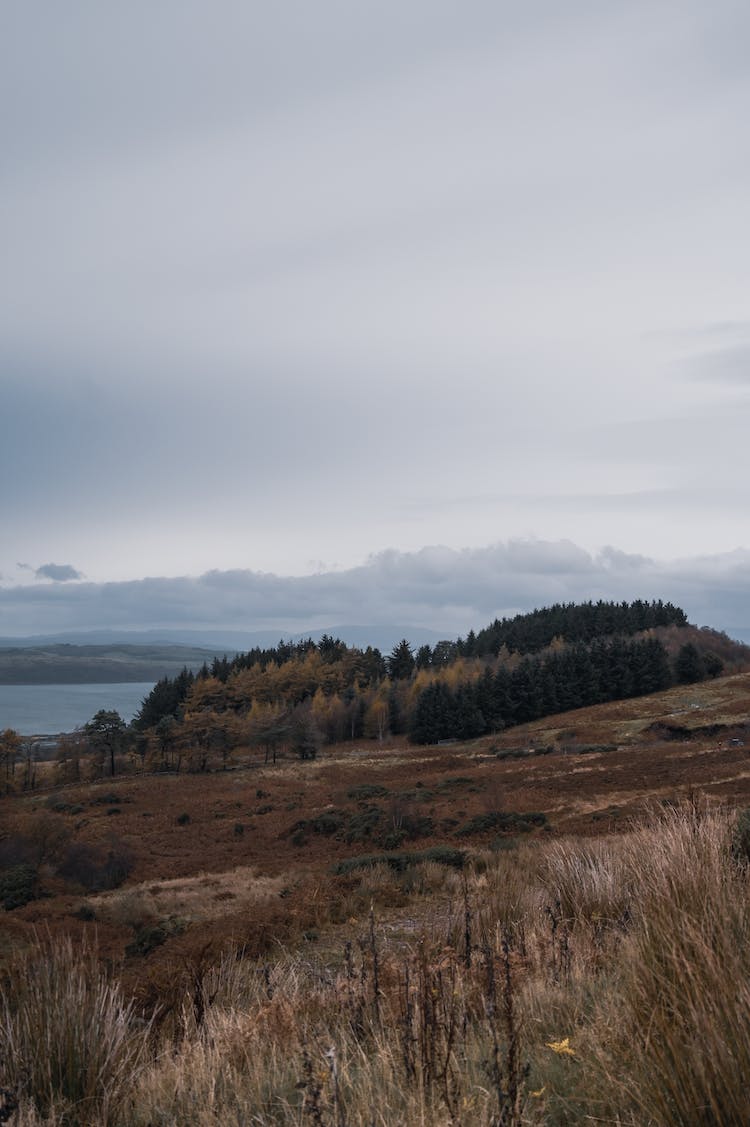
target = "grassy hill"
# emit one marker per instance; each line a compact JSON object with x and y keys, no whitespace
{"x":476,"y":933}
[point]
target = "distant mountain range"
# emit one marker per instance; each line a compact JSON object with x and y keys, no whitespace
{"x":107,"y":656}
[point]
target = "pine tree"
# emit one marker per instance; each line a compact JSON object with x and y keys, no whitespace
{"x":401,"y":661}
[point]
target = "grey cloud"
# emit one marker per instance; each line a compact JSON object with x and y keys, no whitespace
{"x":438,"y":588}
{"x":61,"y":573}
{"x":277,"y":277}
{"x":724,"y":365}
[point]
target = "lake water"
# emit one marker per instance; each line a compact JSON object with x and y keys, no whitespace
{"x":36,"y":710}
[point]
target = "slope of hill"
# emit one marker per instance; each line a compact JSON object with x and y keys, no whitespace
{"x":305,"y":694}
{"x":537,"y":899}
{"x":585,"y":771}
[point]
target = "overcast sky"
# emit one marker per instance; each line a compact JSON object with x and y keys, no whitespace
{"x":291,"y":292}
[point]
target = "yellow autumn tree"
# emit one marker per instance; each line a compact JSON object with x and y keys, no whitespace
{"x":377,"y":710}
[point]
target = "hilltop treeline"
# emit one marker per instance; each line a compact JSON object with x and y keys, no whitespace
{"x":299,"y":695}
{"x":582,"y":622}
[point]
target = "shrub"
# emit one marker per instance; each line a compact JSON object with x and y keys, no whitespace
{"x":327,"y":824}
{"x":17,"y":850}
{"x":94,"y":870}
{"x":512,"y":753}
{"x":182,"y":819}
{"x":147,"y":939}
{"x":363,"y":825}
{"x":367,"y":790}
{"x":440,"y":854}
{"x":454,"y":781}
{"x":514,"y":823}
{"x":60,"y":807}
{"x":18,"y":886}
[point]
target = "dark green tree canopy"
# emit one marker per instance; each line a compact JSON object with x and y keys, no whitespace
{"x":401,"y":662}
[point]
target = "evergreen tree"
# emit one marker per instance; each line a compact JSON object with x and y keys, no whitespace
{"x":712,"y":664}
{"x":165,"y":699}
{"x":488,"y":702}
{"x":401,"y":661}
{"x":470,"y":722}
{"x":435,"y":716}
{"x":651,"y":673}
{"x":106,"y":734}
{"x":525,"y":692}
{"x":689,"y":665}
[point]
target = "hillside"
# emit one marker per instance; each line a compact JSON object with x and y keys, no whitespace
{"x":295,"y":906}
{"x":585,"y":771}
{"x":307,"y":694}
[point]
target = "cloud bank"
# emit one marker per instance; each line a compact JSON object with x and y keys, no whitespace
{"x":297,"y":281}
{"x":437,"y":588}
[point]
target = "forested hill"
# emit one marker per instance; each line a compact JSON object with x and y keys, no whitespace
{"x":306,"y":693}
{"x":582,"y":622}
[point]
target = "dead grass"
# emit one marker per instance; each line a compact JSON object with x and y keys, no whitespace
{"x":275,"y":998}
{"x":194,"y":900}
{"x":560,"y":982}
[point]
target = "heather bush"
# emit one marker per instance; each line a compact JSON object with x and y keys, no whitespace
{"x":94,"y":869}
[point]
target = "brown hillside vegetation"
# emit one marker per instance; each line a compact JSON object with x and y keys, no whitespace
{"x":469,"y":934}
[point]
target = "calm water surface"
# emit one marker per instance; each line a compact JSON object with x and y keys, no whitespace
{"x":36,"y":710}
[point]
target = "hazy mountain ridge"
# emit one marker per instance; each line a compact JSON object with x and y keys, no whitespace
{"x":108,"y":656}
{"x":96,"y":664}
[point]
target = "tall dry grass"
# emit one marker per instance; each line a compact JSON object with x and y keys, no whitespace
{"x":560,"y":983}
{"x":682,"y":1001}
{"x":70,"y":1045}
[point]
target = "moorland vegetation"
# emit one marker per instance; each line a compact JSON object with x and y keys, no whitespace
{"x":563,"y":982}
{"x":547,"y":922}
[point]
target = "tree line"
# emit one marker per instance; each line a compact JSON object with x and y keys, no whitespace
{"x":297,"y":696}
{"x":575,"y":677}
{"x":300,"y":695}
